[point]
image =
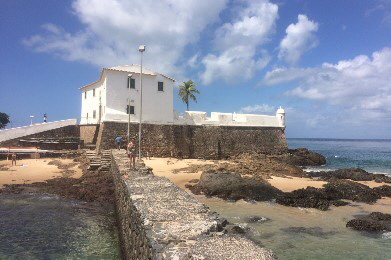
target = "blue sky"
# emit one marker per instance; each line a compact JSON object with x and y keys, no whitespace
{"x":328,"y":63}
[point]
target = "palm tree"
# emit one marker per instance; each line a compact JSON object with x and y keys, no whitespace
{"x":187,"y":90}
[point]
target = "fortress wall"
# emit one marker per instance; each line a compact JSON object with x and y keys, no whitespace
{"x":158,"y":220}
{"x":194,"y":141}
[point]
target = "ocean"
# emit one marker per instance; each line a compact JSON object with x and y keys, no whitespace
{"x":371,"y":155}
{"x":299,"y":233}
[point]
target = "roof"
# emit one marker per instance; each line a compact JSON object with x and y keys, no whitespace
{"x":132,"y":68}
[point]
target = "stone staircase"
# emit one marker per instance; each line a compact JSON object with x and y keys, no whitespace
{"x":99,"y":161}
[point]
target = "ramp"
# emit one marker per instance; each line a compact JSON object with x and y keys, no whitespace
{"x":13,"y":133}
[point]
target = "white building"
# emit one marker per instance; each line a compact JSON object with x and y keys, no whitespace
{"x":117,"y":92}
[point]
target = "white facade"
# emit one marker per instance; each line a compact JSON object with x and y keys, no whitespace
{"x":231,"y":119}
{"x":108,"y":98}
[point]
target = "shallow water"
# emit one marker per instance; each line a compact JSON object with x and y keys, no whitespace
{"x":296,"y":233}
{"x":37,"y":226}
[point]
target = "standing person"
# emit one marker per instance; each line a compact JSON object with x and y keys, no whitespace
{"x":118,"y":140}
{"x":45,"y":118}
{"x":131,"y":149}
{"x":13,"y":159}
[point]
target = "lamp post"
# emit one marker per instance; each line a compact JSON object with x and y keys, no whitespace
{"x":141,"y":49}
{"x":31,"y":117}
{"x":128,"y":109}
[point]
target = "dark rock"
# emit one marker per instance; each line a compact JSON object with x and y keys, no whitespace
{"x":345,"y":189}
{"x":339,"y":203}
{"x":304,"y":157}
{"x":384,"y":190}
{"x":232,"y":186}
{"x":355,"y":174}
{"x":313,"y":231}
{"x":256,"y":219}
{"x":309,"y":197}
{"x":374,"y":222}
{"x":236,"y":229}
{"x":382,"y":178}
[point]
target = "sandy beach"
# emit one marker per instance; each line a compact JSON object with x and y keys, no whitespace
{"x":177,"y":171}
{"x":36,"y":170}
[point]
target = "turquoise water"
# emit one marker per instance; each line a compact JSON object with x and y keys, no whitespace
{"x":37,"y":226}
{"x":370,"y":155}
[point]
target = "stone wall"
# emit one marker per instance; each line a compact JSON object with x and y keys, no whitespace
{"x":70,"y":131}
{"x":160,"y":221}
{"x":89,"y":133}
{"x":191,"y":141}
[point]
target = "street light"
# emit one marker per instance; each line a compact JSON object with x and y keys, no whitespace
{"x":31,"y":117}
{"x":141,"y":49}
{"x":128,"y":109}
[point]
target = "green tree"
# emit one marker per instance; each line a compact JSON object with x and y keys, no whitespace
{"x":4,"y":120}
{"x":187,"y":91}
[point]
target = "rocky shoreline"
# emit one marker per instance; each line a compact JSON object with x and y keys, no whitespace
{"x":92,"y":186}
{"x":246,"y":178}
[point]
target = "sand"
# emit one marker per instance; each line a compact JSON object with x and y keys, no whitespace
{"x":165,"y":167}
{"x":34,"y":170}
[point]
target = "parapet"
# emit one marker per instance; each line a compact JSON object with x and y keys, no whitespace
{"x":230,"y":119}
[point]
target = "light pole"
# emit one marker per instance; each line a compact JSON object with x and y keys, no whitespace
{"x":31,"y":117}
{"x":141,"y":49}
{"x":128,"y":108}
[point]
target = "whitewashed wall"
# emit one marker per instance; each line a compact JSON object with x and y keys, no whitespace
{"x":228,"y":119}
{"x":17,"y":132}
{"x":91,"y":103}
{"x":157,"y":105}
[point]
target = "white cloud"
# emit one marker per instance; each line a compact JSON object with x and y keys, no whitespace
{"x":360,"y":87}
{"x":114,"y":29}
{"x":236,"y":44}
{"x":299,"y":39}
{"x":282,"y":74}
{"x":258,"y":109}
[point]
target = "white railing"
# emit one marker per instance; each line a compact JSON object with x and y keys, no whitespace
{"x":12,"y":133}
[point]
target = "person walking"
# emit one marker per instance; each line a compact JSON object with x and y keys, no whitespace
{"x":131,"y":149}
{"x":118,"y":141}
{"x":13,"y":159}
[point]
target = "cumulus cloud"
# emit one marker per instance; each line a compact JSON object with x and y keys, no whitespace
{"x":299,"y":38}
{"x":114,"y":29}
{"x":236,"y":56}
{"x":360,"y":87}
{"x":258,"y":109}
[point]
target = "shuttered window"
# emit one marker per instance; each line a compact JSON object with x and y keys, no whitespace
{"x":131,"y":83}
{"x":130,"y":110}
{"x":160,"y":86}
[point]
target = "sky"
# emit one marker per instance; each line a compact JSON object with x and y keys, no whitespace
{"x":327,"y":63}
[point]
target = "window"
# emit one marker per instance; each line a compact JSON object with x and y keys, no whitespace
{"x":93,"y":92}
{"x":85,"y":95}
{"x":131,"y":83}
{"x":160,"y":86}
{"x":94,"y":114}
{"x":87,"y":115}
{"x":130,"y":110}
